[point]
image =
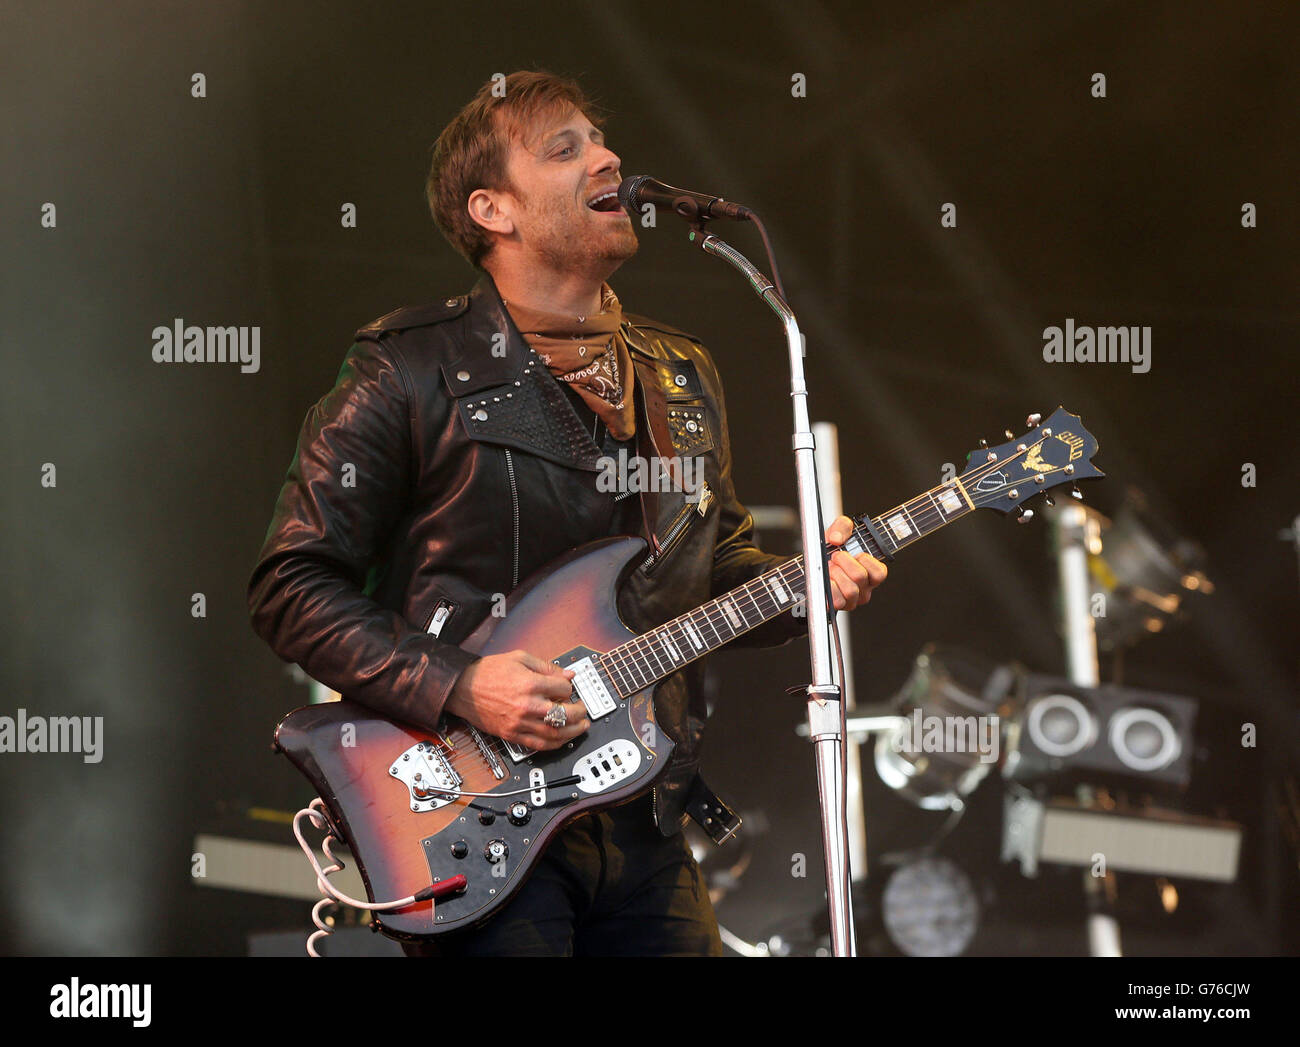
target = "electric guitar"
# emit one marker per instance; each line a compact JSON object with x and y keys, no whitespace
{"x":471,"y":813}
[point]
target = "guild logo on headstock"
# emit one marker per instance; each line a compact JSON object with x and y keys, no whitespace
{"x":992,"y":482}
{"x":1075,"y":443}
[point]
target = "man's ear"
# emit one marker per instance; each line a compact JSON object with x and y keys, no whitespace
{"x":493,"y":210}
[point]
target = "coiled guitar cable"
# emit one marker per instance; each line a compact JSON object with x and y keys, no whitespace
{"x":316,"y":813}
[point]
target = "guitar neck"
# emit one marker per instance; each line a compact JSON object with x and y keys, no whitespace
{"x":656,"y":654}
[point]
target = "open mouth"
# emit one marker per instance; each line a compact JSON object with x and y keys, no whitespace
{"x":606,"y":202}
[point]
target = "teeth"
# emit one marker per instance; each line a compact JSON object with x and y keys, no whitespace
{"x":598,"y":199}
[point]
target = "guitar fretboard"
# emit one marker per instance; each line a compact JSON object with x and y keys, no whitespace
{"x":653,"y":655}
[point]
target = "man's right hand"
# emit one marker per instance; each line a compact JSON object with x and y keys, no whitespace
{"x":510,"y":694}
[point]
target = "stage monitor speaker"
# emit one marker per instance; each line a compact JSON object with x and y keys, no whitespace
{"x":1089,"y":732}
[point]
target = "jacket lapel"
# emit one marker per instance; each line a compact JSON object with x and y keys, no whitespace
{"x":505,"y":395}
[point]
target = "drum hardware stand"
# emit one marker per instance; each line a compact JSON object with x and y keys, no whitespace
{"x":1078,"y":533}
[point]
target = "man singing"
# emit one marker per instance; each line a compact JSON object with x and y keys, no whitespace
{"x":462,"y":449}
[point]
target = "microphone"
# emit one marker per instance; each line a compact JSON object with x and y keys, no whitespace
{"x":635,"y":192}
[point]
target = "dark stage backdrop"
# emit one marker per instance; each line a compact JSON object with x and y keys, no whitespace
{"x":849,"y":126}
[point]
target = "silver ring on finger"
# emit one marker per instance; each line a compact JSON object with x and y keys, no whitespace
{"x":556,"y":716}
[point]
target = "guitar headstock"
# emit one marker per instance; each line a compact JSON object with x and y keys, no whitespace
{"x":1053,"y":452}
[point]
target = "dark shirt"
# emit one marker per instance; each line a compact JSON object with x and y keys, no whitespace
{"x":624,"y":512}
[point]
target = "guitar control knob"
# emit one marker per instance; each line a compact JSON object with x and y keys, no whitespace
{"x":519,"y":814}
{"x":459,"y":849}
{"x":496,"y":851}
{"x":487,"y":817}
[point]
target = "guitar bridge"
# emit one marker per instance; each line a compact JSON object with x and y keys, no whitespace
{"x":429,"y":776}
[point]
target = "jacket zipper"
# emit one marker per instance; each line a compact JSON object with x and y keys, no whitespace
{"x":680,"y":523}
{"x":442,"y":612}
{"x":514,"y":505}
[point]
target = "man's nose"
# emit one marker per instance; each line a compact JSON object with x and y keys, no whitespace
{"x":607,"y":161}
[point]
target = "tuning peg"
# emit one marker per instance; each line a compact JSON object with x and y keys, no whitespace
{"x":1048,"y":500}
{"x":1025,"y":516}
{"x":984,"y":443}
{"x":1008,"y":434}
{"x":1075,"y":492}
{"x":1033,"y":420}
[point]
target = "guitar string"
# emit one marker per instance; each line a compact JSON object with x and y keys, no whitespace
{"x":767,"y":609}
{"x":638,"y":647}
{"x":459,"y":756}
{"x":713,"y":612}
{"x":631,"y":655}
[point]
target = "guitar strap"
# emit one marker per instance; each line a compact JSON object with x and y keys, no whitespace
{"x":712,"y":814}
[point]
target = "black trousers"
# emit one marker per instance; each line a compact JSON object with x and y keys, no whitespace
{"x":609,"y":885}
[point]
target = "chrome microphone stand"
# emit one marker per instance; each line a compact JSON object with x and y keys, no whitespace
{"x":825,"y":707}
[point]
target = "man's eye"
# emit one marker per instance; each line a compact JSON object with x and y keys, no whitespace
{"x":566,"y":149}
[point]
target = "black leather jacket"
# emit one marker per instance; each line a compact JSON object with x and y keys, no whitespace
{"x":444,"y":467}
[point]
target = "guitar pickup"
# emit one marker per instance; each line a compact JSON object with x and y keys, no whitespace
{"x":591,"y":689}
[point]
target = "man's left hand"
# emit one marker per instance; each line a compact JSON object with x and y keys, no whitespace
{"x":852,"y":577}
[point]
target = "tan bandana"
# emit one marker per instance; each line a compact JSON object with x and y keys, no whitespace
{"x":589,"y":353}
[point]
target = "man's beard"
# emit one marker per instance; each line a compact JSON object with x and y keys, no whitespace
{"x":574,"y":254}
{"x":563,"y":251}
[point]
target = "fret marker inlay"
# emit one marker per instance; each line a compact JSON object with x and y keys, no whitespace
{"x":899,"y":525}
{"x":694,"y":636}
{"x":732,"y":616}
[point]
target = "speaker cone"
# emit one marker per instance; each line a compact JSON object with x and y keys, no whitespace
{"x":1060,"y":725}
{"x":1144,"y":739}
